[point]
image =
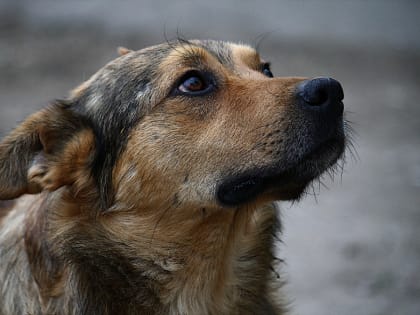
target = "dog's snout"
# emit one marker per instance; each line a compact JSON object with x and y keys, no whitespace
{"x":321,"y":94}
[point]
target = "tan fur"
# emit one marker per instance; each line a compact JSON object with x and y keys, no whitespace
{"x":123,"y":51}
{"x":162,"y":243}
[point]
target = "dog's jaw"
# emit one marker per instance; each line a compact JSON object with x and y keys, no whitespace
{"x":277,"y":182}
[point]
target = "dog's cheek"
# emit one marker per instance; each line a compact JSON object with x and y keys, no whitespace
{"x":139,"y":178}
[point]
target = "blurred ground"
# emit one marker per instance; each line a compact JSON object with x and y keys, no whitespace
{"x":355,"y":248}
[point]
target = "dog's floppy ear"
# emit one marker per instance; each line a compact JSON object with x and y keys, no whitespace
{"x":50,"y":149}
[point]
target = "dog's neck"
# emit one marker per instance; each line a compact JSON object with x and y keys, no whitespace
{"x":171,"y":263}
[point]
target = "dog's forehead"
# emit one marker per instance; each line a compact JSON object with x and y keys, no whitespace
{"x":222,"y":51}
{"x":227,"y":53}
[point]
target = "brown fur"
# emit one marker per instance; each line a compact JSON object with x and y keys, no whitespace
{"x":123,"y":216}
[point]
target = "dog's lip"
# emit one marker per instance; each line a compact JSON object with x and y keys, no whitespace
{"x":285,"y":184}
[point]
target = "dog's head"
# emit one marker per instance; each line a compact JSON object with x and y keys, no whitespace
{"x":197,"y":123}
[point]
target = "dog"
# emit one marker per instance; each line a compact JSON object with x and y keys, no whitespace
{"x":151,"y":188}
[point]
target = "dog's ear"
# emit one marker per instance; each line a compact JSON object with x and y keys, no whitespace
{"x":123,"y":51}
{"x":50,"y":149}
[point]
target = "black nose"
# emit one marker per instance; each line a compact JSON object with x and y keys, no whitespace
{"x":321,"y":94}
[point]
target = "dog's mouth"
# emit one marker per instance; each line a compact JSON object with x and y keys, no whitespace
{"x":278,"y":182}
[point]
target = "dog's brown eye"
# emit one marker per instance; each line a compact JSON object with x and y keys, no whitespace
{"x":195,"y":83}
{"x":192,"y":84}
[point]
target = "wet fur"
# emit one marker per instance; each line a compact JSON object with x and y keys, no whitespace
{"x":116,"y":210}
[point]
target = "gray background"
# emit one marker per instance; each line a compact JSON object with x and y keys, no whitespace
{"x":355,"y":247}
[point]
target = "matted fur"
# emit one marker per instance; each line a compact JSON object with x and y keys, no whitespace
{"x":118,"y":190}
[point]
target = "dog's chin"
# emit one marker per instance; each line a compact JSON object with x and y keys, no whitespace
{"x":277,"y":183}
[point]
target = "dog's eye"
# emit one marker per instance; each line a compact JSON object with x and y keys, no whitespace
{"x":195,"y":83}
{"x":192,"y":84}
{"x":266,"y":70}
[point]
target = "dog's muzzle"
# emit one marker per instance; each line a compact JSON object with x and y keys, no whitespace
{"x":315,"y":144}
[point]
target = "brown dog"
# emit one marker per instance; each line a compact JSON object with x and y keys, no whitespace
{"x":149,"y":190}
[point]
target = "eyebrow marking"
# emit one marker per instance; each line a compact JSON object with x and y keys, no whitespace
{"x":220,"y":50}
{"x":246,"y":56}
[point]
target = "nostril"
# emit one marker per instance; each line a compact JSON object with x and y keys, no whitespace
{"x":319,"y":91}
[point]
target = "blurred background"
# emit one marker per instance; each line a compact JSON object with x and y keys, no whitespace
{"x":354,"y":247}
